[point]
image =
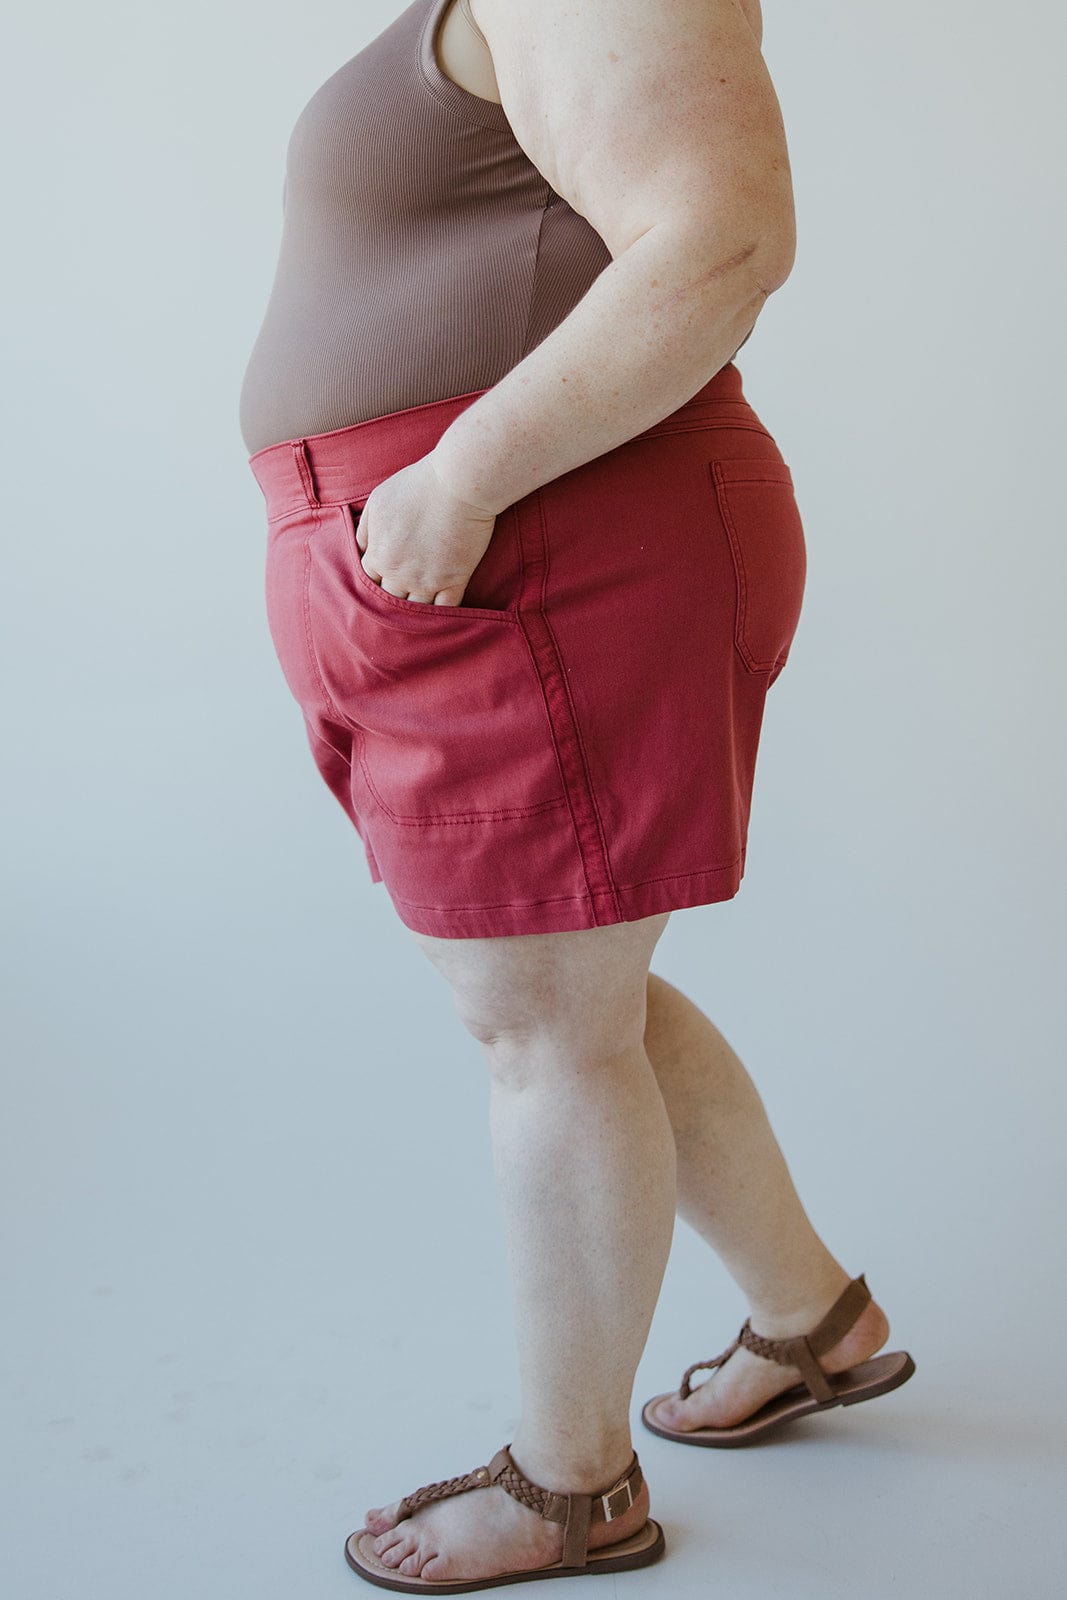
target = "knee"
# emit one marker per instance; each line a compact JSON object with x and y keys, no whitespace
{"x":551,"y":998}
{"x":526,"y":1026}
{"x":532,"y":1030}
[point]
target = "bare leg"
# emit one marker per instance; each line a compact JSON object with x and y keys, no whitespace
{"x":584,"y":1159}
{"x":735,"y":1190}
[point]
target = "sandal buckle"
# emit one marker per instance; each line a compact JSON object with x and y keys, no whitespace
{"x":613,"y":1510}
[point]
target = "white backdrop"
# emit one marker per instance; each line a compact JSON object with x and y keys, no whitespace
{"x":252,"y":1270}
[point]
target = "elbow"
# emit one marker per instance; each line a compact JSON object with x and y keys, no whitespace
{"x":778,"y":249}
{"x":769,"y":247}
{"x":756,"y":270}
{"x":769,"y":259}
{"x":760,"y":261}
{"x":774,"y":257}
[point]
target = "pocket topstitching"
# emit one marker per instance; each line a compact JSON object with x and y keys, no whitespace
{"x":453,"y":723}
{"x":757,"y":504}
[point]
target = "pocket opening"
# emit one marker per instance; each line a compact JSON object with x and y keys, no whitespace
{"x":394,"y":606}
{"x":758,"y":509}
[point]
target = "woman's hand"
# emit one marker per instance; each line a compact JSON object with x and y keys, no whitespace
{"x":419,"y":541}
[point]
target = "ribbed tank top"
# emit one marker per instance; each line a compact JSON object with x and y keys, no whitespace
{"x":422,"y":253}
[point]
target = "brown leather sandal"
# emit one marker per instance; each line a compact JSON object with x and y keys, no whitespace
{"x":819,"y":1391}
{"x":576,"y":1511}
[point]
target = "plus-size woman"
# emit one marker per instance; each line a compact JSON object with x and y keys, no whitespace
{"x":533,"y":564}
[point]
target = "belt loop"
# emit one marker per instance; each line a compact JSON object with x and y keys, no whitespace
{"x":303,"y":466}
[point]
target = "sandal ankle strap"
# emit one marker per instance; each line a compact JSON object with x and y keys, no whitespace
{"x":802,"y":1350}
{"x":577,"y":1512}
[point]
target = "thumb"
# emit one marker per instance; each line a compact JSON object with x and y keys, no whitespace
{"x":360,"y":531}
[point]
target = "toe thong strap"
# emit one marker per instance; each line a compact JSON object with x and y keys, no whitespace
{"x":478,"y":1479}
{"x":684,"y":1389}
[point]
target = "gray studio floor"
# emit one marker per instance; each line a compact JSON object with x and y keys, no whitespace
{"x":254,"y":1278}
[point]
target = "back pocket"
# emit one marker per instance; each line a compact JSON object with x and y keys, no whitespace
{"x":759,"y":513}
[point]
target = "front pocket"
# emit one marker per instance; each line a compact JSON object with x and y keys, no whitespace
{"x":759,"y":512}
{"x":395,"y":605}
{"x":447,"y":701}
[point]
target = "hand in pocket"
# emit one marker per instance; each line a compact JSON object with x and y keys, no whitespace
{"x":418,"y":541}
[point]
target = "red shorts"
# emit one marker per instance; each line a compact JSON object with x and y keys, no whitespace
{"x":575,"y":744}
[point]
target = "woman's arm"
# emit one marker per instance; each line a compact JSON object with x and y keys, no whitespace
{"x":660,"y":125}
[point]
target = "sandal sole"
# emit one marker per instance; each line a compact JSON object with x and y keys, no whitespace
{"x":641,"y":1549}
{"x":863,"y":1382}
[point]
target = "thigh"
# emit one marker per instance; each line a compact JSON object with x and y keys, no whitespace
{"x":587,"y":985}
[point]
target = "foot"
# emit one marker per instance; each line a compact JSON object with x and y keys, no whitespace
{"x":745,"y":1381}
{"x":482,"y":1533}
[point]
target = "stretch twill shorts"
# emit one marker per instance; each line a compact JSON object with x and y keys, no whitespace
{"x":575,"y":743}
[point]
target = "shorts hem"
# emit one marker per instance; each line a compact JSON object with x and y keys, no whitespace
{"x":571,"y":912}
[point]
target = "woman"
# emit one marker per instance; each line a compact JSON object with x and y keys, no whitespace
{"x":533,"y":564}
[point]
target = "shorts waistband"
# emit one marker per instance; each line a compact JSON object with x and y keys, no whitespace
{"x":345,"y":464}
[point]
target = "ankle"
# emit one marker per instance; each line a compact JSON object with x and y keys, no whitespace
{"x":783,"y":1318}
{"x":562,"y":1471}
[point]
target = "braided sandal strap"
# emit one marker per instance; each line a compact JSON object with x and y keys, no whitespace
{"x":683,"y":1388}
{"x":801,"y":1351}
{"x":576,"y":1511}
{"x":478,"y":1479}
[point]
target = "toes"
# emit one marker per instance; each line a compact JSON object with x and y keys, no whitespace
{"x":398,"y":1553}
{"x":412,"y":1565}
{"x":380,"y":1519}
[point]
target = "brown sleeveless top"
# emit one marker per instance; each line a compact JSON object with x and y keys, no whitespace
{"x":422,"y":253}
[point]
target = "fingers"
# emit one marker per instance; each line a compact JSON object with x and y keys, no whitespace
{"x":441,"y":597}
{"x":402,"y":594}
{"x":361,"y":545}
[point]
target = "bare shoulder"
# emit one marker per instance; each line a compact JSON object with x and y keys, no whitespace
{"x":752,"y":9}
{"x":633,"y":111}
